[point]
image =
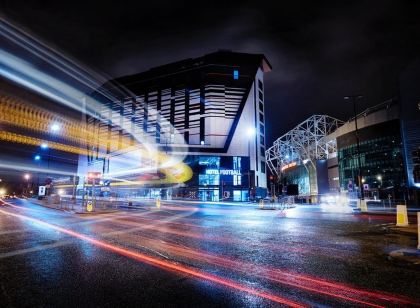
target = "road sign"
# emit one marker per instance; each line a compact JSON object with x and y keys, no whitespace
{"x":89,"y":206}
{"x":41,"y":191}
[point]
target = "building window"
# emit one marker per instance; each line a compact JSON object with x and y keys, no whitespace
{"x":236,"y":74}
{"x":210,"y":161}
{"x":262,"y":141}
{"x":260,"y":85}
{"x":262,"y":151}
{"x":260,"y":95}
{"x":261,"y":107}
{"x":262,"y":167}
{"x":208,"y":179}
{"x":237,"y":180}
{"x":261,"y":129}
{"x":261,"y":118}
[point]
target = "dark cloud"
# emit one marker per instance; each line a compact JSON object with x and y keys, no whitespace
{"x":320,"y":51}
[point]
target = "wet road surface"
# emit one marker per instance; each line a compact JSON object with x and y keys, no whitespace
{"x":189,"y":254}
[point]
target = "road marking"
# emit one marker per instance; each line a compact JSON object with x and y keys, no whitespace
{"x":160,"y":263}
{"x":34,"y":249}
{"x":13,"y":231}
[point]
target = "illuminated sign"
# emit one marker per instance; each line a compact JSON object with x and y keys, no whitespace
{"x":223,"y":172}
{"x":288,"y":166}
{"x":41,"y":190}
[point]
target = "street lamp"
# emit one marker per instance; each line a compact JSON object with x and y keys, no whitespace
{"x":27,"y":176}
{"x":354,"y":99}
{"x":37,"y":158}
{"x":379,"y":178}
{"x":55,"y":127}
{"x":250,"y":133}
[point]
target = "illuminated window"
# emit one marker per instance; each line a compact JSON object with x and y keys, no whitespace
{"x":208,"y":179}
{"x":236,"y":74}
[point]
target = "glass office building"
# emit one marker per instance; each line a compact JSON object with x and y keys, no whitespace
{"x":381,"y":159}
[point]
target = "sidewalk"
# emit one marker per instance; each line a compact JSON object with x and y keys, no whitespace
{"x":73,"y":208}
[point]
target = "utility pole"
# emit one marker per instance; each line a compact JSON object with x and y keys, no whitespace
{"x":354,"y":99}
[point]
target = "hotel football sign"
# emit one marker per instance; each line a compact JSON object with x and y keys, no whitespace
{"x":223,"y":172}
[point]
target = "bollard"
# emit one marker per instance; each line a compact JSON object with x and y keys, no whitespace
{"x":363,"y":205}
{"x":261,"y":203}
{"x":418,"y":230}
{"x":158,"y":203}
{"x":402,"y":218}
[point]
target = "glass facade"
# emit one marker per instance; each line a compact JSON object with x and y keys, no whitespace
{"x":299,"y":175}
{"x":219,"y":177}
{"x":381,"y":158}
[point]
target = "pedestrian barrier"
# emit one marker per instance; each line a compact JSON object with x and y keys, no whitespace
{"x":402,"y":217}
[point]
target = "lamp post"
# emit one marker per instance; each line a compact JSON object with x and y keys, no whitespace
{"x":27,"y":176}
{"x":54,"y":129}
{"x":354,"y":99}
{"x":37,"y":158}
{"x":379,"y":178}
{"x":250,"y":133}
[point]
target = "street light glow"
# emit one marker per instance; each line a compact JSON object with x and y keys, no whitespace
{"x":37,"y":157}
{"x":44,"y":146}
{"x":27,"y":176}
{"x":55,"y":128}
{"x":250,"y":132}
{"x":379,"y":177}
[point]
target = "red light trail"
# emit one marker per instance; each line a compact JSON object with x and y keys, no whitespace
{"x":161,"y":263}
{"x":305,"y":282}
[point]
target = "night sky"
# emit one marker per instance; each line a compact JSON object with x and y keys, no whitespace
{"x":320,"y":50}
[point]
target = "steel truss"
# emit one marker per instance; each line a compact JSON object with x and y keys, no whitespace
{"x":304,"y":144}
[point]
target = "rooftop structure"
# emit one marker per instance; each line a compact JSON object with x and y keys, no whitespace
{"x":305,"y":143}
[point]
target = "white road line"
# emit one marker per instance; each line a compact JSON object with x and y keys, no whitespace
{"x":13,"y":231}
{"x":67,"y":242}
{"x":34,"y":249}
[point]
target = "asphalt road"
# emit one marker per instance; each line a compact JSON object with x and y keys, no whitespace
{"x":199,"y":255}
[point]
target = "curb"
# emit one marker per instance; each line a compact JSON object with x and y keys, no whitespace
{"x":359,"y":212}
{"x":402,"y":230}
{"x":411,"y":256}
{"x":95,"y":213}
